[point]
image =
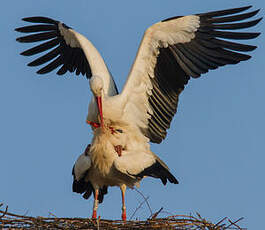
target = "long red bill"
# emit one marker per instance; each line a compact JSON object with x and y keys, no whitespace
{"x":99,"y":103}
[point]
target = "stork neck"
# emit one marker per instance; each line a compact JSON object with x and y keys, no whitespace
{"x":96,"y":62}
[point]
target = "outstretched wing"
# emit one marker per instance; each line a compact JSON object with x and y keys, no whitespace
{"x":174,"y":50}
{"x":66,"y":48}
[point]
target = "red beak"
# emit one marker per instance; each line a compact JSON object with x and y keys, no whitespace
{"x":99,"y":103}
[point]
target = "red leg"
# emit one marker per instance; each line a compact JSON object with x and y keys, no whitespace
{"x":95,"y":207}
{"x":123,"y":189}
{"x":94,"y":215}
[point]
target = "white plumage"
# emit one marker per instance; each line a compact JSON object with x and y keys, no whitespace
{"x":171,"y":52}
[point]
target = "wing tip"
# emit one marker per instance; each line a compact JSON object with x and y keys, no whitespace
{"x":24,"y":53}
{"x":30,"y":64}
{"x":40,"y":19}
{"x":40,"y":71}
{"x":247,"y":7}
{"x":26,"y":19}
{"x":243,"y":8}
{"x":254,"y":35}
{"x":19,"y":39}
{"x":253,"y":13}
{"x":225,"y":12}
{"x":255,"y":22}
{"x":258,"y":20}
{"x":30,"y":19}
{"x":18,"y":29}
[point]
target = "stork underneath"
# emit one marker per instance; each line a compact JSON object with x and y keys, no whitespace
{"x":171,"y":52}
{"x":103,"y":165}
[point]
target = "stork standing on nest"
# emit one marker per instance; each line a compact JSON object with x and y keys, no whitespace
{"x":171,"y":52}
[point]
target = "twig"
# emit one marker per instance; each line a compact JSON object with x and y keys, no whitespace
{"x":51,"y":214}
{"x":138,"y":207}
{"x":234,"y":223}
{"x":156,"y":214}
{"x":221,"y":221}
{"x":5,"y":212}
{"x":147,"y":203}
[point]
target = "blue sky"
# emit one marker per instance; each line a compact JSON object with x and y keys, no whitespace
{"x":215,"y":146}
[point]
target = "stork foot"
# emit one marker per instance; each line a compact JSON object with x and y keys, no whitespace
{"x":94,"y":215}
{"x":123,"y":216}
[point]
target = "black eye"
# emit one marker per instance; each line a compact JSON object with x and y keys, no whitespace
{"x":119,"y":130}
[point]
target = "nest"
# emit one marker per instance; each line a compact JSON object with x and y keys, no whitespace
{"x":13,"y":221}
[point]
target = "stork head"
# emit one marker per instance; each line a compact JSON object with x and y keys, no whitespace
{"x":96,"y":86}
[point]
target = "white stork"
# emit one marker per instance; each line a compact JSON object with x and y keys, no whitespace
{"x":171,"y":51}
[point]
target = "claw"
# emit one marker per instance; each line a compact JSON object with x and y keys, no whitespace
{"x":118,"y":149}
{"x":93,"y":124}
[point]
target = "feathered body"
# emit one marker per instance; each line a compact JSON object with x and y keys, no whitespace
{"x":107,"y":168}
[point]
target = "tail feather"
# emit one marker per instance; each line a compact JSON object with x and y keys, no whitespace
{"x":86,"y":188}
{"x":157,"y":170}
{"x":102,"y":191}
